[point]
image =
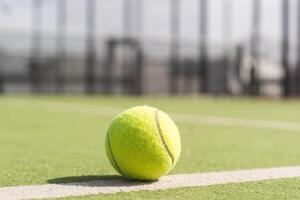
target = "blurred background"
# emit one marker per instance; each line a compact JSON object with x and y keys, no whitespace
{"x":150,"y":47}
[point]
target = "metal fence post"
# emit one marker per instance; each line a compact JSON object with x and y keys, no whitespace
{"x":140,"y":57}
{"x":90,"y":60}
{"x":227,"y":22}
{"x":60,"y":46}
{"x":297,"y":78}
{"x":1,"y":82}
{"x":254,"y":87}
{"x":34,"y":65}
{"x":285,"y":49}
{"x":203,"y":53}
{"x":174,"y":62}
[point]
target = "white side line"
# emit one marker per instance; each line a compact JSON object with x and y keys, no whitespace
{"x":116,"y":185}
{"x":235,"y":122}
{"x":110,"y":111}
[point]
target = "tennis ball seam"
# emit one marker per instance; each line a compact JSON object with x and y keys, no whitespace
{"x":161,"y":136}
{"x":112,"y":156}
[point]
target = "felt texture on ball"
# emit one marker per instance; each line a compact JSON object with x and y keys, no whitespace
{"x":143,"y":143}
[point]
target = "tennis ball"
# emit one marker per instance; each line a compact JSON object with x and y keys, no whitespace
{"x":143,"y":143}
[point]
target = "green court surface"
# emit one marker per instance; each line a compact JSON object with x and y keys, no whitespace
{"x":61,"y":139}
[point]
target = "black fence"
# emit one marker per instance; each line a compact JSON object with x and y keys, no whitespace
{"x":130,"y":63}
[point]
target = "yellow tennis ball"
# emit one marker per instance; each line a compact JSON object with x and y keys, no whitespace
{"x":143,"y":143}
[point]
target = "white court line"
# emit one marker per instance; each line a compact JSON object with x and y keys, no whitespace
{"x":110,"y":111}
{"x":118,"y":185}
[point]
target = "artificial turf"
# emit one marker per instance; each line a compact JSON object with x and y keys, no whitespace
{"x":46,"y":144}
